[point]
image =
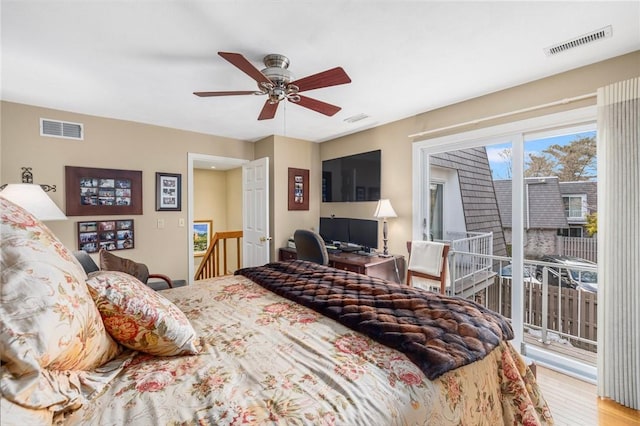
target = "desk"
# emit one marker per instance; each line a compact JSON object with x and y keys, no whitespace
{"x":374,"y":266}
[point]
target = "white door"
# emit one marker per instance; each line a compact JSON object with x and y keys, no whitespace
{"x":255,"y":211}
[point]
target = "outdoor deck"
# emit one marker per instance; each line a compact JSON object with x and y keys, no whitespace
{"x":564,"y":318}
{"x":564,"y":349}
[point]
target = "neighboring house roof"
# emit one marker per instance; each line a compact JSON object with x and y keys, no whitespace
{"x":476,"y":189}
{"x":543,"y":203}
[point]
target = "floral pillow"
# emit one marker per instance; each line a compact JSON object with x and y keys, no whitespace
{"x":140,"y":318}
{"x":52,"y":332}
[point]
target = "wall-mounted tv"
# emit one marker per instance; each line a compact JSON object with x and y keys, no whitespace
{"x":352,"y":178}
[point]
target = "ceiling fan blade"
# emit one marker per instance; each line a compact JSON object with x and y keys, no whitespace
{"x":332,"y":77}
{"x":245,"y":66}
{"x":318,"y":106}
{"x":268,"y":111}
{"x":206,"y":94}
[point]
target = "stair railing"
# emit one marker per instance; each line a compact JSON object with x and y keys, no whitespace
{"x":210,"y":265}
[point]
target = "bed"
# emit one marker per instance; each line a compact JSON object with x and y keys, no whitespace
{"x":234,"y":350}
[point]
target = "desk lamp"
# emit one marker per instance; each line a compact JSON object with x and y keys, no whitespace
{"x":384,"y":210}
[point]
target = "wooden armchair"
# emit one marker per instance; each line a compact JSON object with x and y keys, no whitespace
{"x":111,"y":262}
{"x":428,"y":260}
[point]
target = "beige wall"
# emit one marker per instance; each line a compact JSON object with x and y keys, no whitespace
{"x":218,"y":197}
{"x":209,"y":188}
{"x":234,"y":199}
{"x":127,"y":145}
{"x":298,"y":154}
{"x":395,"y":178}
{"x":284,"y":153}
{"x":113,"y":144}
{"x":396,"y":145}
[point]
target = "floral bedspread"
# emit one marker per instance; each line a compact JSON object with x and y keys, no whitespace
{"x":265,"y":360}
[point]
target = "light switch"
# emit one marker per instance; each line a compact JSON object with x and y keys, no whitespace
{"x":181,"y":223}
{"x":160,"y":223}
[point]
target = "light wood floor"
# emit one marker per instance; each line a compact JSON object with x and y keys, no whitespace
{"x":574,"y":402}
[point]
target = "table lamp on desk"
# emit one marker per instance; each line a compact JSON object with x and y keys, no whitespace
{"x":384,"y":210}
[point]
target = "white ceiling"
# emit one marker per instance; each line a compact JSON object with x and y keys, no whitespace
{"x":141,"y":60}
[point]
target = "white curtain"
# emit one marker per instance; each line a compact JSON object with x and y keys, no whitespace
{"x":619,"y":242}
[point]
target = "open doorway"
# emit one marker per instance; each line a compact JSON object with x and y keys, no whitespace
{"x":225,"y":195}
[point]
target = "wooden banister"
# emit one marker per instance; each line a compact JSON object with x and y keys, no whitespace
{"x":210,"y":264}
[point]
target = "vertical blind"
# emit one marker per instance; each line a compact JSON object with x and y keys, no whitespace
{"x":619,"y":242}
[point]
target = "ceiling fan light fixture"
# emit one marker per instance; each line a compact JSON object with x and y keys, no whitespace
{"x":277,"y":83}
{"x":278,"y":75}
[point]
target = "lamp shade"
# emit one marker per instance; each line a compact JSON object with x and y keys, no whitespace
{"x":384,"y":209}
{"x":33,"y":199}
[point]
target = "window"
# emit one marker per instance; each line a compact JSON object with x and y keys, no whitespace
{"x":436,"y":226}
{"x":570,"y":232}
{"x":575,"y":206}
{"x":519,"y":135}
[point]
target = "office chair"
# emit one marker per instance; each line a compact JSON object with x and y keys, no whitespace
{"x":428,"y":259}
{"x":310,"y":246}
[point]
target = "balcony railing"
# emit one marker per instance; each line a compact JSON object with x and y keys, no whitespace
{"x":556,"y":317}
{"x":471,"y":268}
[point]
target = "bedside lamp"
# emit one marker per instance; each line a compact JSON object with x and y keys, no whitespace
{"x":32,"y":198}
{"x":384,"y":210}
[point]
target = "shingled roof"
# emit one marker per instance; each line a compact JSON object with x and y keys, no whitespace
{"x":543,"y":203}
{"x":479,"y":202}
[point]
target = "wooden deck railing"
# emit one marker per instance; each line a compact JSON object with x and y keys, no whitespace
{"x":210,"y":266}
{"x":568,"y":314}
{"x":586,"y":248}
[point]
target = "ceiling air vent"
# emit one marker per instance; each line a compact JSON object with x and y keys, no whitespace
{"x":61,"y":129}
{"x":355,"y":118}
{"x":605,"y":32}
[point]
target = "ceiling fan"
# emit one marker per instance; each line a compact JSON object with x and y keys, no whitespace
{"x":276,"y":81}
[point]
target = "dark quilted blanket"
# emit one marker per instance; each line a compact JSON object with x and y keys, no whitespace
{"x":436,"y":332}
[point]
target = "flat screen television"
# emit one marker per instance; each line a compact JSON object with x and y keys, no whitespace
{"x":352,"y":178}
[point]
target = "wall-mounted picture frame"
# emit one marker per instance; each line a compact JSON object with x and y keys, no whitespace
{"x":298,"y":189}
{"x":107,"y":234}
{"x":102,"y":192}
{"x":168,"y":192}
{"x":201,"y":236}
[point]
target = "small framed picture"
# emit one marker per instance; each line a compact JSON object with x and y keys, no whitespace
{"x":168,"y":192}
{"x":201,"y":236}
{"x":298,"y":189}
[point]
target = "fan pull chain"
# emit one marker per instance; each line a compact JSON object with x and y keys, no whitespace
{"x":284,"y":120}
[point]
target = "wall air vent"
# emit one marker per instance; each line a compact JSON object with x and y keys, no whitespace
{"x":605,"y":32}
{"x":61,"y":129}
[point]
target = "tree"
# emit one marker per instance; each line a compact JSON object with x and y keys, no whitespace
{"x":505,"y":154}
{"x":592,"y":224}
{"x":574,"y":161}
{"x":538,"y":166}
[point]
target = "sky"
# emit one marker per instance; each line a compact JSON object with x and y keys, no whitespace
{"x":498,"y":164}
